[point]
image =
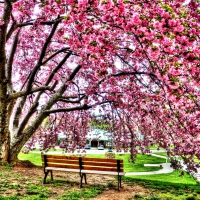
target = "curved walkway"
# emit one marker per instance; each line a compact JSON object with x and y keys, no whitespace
{"x":165,"y":169}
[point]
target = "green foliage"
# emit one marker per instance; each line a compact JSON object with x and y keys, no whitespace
{"x":9,"y":198}
{"x":99,"y":123}
{"x":35,"y":189}
{"x":38,"y":197}
{"x":153,"y":198}
{"x":110,"y":184}
{"x":7,"y":167}
{"x":190,"y":198}
{"x":168,"y":9}
{"x":138,"y":196}
{"x":85,"y":194}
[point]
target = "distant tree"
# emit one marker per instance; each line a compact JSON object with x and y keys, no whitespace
{"x":138,"y":61}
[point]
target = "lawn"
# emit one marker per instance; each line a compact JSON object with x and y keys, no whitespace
{"x":170,"y":186}
{"x":161,"y":186}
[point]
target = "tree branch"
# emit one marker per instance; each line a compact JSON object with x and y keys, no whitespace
{"x":39,"y":63}
{"x":10,"y":61}
{"x":124,"y":74}
{"x":76,"y":70}
{"x":28,"y":23}
{"x":56,"y":53}
{"x":26,"y":118}
{"x":12,"y":28}
{"x":23,"y":93}
{"x":54,"y":71}
{"x":67,"y":99}
{"x":83,"y":107}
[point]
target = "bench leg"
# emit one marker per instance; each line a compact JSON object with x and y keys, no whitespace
{"x":85,"y":178}
{"x":51,"y":175}
{"x":118,"y":183}
{"x":45,"y":176}
{"x":81,"y":180}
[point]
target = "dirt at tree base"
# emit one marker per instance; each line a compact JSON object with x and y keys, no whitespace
{"x":24,"y":164}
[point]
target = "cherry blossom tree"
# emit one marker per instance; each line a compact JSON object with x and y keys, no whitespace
{"x":135,"y":61}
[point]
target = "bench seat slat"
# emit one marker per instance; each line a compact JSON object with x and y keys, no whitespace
{"x":102,"y":172}
{"x":62,"y":166}
{"x":63,"y":169}
{"x":96,"y":168}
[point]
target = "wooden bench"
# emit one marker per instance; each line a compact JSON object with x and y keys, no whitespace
{"x":83,"y":166}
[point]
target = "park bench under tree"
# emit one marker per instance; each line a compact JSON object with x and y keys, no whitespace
{"x":83,"y":166}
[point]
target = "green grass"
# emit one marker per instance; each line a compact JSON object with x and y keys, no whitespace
{"x":9,"y":198}
{"x":167,"y":186}
{"x":85,"y":194}
{"x":32,"y":157}
{"x":174,"y":177}
{"x":138,"y":165}
{"x":161,"y":153}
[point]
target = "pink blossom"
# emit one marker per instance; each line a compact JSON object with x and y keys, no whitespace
{"x":1,"y":23}
{"x":136,"y":64}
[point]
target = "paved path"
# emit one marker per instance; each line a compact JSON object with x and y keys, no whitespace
{"x":165,"y":168}
{"x":168,"y":168}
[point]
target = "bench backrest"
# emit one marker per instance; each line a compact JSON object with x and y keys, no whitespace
{"x":74,"y":162}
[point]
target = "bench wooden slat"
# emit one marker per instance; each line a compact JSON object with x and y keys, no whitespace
{"x":62,"y":166}
{"x":65,"y":161}
{"x":105,"y":160}
{"x":102,"y":172}
{"x":101,"y":168}
{"x":63,"y":169}
{"x":101,"y":164}
{"x":60,"y":157}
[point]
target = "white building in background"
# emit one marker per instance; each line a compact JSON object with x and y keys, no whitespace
{"x":97,"y":137}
